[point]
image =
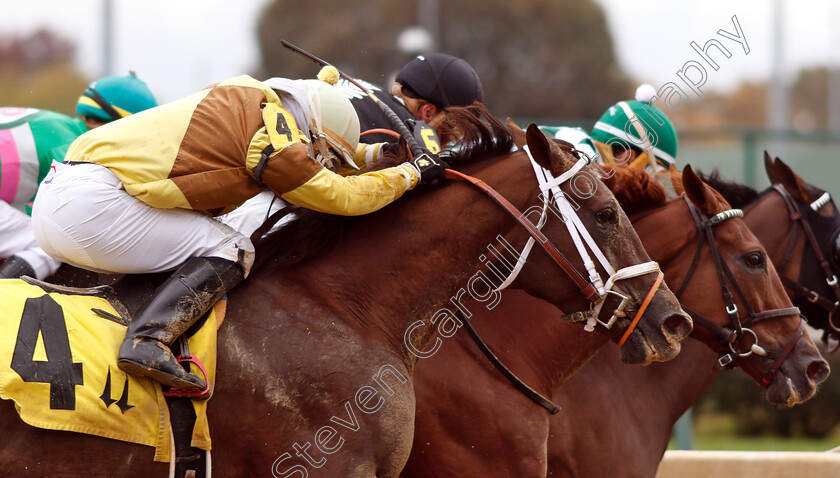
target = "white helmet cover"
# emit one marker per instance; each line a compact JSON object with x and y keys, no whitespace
{"x":334,"y":120}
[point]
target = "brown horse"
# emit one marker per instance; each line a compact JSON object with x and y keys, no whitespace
{"x":317,"y":351}
{"x":646,"y":423}
{"x":490,"y":429}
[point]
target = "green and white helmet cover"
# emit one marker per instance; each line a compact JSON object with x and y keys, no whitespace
{"x":640,"y":125}
{"x":578,"y":137}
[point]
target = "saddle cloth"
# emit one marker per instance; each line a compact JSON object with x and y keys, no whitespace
{"x":58,"y":363}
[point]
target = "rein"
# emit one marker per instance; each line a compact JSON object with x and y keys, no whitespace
{"x":595,"y":290}
{"x":587,"y":289}
{"x":797,"y":217}
{"x":731,"y":336}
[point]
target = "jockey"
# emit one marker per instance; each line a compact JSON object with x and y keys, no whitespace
{"x":630,"y":133}
{"x":30,"y":140}
{"x":139,"y":195}
{"x":420,"y":94}
{"x":636,"y":134}
{"x":423,"y":89}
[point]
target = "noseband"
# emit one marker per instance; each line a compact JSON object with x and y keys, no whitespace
{"x":798,"y":217}
{"x":731,"y":337}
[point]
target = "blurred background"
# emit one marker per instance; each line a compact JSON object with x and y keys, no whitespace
{"x":556,"y":62}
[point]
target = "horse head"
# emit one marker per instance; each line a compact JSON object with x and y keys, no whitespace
{"x":583,"y":210}
{"x":739,"y":303}
{"x":814,"y":236}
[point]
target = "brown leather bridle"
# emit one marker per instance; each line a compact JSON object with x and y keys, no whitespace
{"x":731,"y":337}
{"x":797,"y":217}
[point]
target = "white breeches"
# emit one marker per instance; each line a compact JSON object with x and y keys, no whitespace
{"x":83,"y":216}
{"x":253,"y":212}
{"x":17,"y":239}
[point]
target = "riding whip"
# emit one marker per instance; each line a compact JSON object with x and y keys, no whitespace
{"x":401,"y":128}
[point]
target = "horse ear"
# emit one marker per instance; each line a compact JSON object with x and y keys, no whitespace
{"x":795,"y":185}
{"x":674,"y":174}
{"x":541,"y":148}
{"x":517,"y":132}
{"x":770,"y":168}
{"x":698,"y":192}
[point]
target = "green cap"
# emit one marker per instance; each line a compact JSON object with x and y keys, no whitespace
{"x":640,"y":125}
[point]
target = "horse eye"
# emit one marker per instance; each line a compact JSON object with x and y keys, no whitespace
{"x":754,"y":259}
{"x":606,"y":215}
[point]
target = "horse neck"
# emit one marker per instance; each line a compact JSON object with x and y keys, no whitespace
{"x":670,"y":236}
{"x":652,"y":406}
{"x":406,"y":262}
{"x":531,"y":337}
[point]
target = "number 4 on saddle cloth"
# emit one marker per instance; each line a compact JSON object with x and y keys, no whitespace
{"x":58,"y":363}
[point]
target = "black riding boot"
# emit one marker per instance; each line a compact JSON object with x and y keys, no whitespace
{"x":177,"y":304}
{"x":15,"y":267}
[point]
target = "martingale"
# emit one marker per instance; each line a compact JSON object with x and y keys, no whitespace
{"x":58,"y":363}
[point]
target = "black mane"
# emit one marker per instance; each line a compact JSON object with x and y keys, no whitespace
{"x":737,"y":195}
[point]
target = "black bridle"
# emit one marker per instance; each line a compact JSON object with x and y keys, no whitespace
{"x":800,"y":215}
{"x":731,"y":337}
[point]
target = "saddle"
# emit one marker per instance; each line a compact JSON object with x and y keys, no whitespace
{"x":176,"y":425}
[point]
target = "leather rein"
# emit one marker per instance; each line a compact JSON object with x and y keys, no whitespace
{"x":731,"y":337}
{"x":595,"y":291}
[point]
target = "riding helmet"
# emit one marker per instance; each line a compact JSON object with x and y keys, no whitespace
{"x":444,"y":80}
{"x":114,"y":97}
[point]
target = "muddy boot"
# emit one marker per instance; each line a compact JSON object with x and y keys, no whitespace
{"x":177,"y":304}
{"x":15,"y":267}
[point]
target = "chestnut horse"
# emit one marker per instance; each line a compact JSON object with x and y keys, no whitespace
{"x":490,"y":429}
{"x":316,"y":354}
{"x":646,"y":423}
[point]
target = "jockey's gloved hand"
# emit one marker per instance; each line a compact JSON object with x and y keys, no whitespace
{"x":430,"y":167}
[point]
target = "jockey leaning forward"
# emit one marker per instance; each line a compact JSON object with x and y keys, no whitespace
{"x":422,"y":91}
{"x":139,"y":195}
{"x":420,"y":95}
{"x":30,"y":139}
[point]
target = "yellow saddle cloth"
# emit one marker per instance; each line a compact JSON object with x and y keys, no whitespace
{"x":58,"y":362}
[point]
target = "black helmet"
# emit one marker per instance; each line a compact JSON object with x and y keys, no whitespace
{"x":444,"y":80}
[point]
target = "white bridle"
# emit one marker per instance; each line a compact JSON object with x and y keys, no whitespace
{"x":582,"y":239}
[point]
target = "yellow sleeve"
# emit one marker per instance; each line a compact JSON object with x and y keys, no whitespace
{"x":366,"y":155}
{"x":331,"y":193}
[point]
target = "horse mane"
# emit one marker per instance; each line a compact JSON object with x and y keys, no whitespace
{"x":635,"y":190}
{"x":476,"y":132}
{"x":310,"y":234}
{"x":480,"y":135}
{"x":736,"y":194}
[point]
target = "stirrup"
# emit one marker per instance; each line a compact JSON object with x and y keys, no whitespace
{"x":191,"y":392}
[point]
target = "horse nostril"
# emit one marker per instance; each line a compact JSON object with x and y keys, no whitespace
{"x":817,"y":371}
{"x":676,"y":325}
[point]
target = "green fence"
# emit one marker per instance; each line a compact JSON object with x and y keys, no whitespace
{"x":739,"y":154}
